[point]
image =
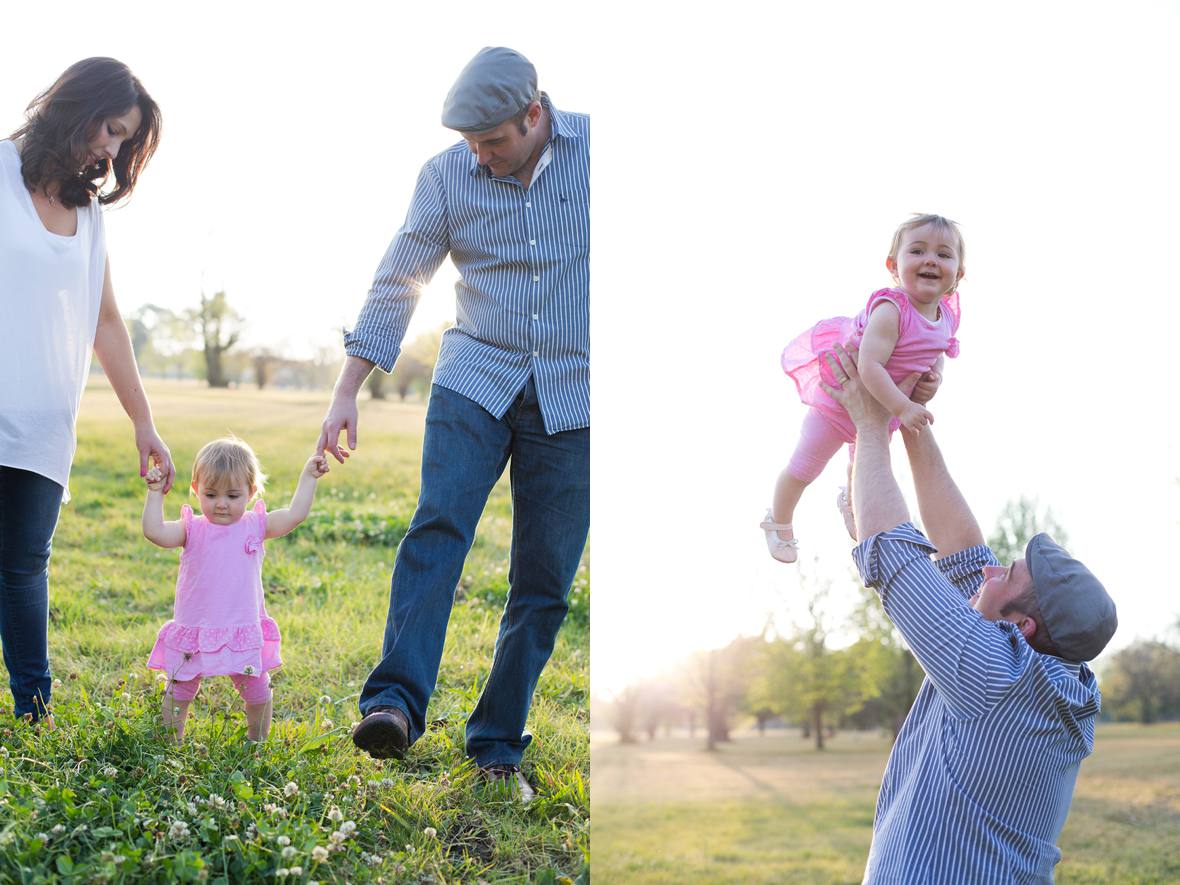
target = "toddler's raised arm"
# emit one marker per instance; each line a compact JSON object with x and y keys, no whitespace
{"x":880,"y":337}
{"x":155,"y":529}
{"x":280,"y":522}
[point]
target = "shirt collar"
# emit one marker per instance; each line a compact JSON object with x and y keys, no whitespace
{"x":559,"y":127}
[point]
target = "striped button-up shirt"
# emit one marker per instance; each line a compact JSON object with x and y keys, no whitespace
{"x":523,"y":299}
{"x":979,"y":783}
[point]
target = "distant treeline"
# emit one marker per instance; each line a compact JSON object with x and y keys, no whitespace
{"x":203,"y":342}
{"x":795,"y":677}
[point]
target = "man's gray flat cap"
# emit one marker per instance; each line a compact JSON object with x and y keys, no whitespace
{"x":1078,"y":612}
{"x":495,"y":86}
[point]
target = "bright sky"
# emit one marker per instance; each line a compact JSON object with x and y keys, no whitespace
{"x":749,"y":170}
{"x":778,"y":155}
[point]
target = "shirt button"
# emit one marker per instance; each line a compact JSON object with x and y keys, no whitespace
{"x":535,"y":316}
{"x":532,"y":242}
{"x":528,"y":205}
{"x":536,"y":353}
{"x":536,"y":279}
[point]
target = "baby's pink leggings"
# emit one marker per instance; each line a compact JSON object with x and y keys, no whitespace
{"x":253,"y":689}
{"x":819,"y":440}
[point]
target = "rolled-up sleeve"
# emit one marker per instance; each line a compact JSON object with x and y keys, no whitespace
{"x":964,"y":569}
{"x":971,"y":661}
{"x":410,"y":262}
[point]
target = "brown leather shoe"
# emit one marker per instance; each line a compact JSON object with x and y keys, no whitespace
{"x":384,"y":733}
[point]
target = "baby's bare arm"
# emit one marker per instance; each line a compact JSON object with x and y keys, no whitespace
{"x":155,"y":528}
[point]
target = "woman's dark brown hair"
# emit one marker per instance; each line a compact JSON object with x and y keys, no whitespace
{"x":61,"y":121}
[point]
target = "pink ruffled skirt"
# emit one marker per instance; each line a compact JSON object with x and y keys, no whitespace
{"x":183,"y":652}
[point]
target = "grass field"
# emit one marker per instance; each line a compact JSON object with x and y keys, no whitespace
{"x":773,"y":809}
{"x":104,"y":798}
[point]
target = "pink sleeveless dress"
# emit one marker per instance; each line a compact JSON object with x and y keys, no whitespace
{"x":219,"y":624}
{"x":919,"y":343}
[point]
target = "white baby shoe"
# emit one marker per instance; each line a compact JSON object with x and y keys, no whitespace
{"x":783,"y":551}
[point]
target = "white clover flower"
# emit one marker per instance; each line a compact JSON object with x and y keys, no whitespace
{"x":109,"y":771}
{"x":178,"y":830}
{"x":192,"y":808}
{"x":288,"y":852}
{"x":374,"y":860}
{"x":337,"y":837}
{"x":334,"y":815}
{"x":328,"y":724}
{"x":319,"y":854}
{"x":354,"y":780}
{"x":57,"y":683}
{"x":296,"y":871}
{"x":291,"y":789}
{"x":283,"y":840}
{"x":324,"y":699}
{"x":118,"y":859}
{"x":430,"y":833}
{"x":348,"y":827}
{"x":216,"y":801}
{"x":4,"y":752}
{"x":387,"y":782}
{"x":232,"y":837}
{"x":282,"y":873}
{"x":58,"y":829}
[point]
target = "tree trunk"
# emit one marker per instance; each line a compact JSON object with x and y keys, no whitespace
{"x":817,"y":723}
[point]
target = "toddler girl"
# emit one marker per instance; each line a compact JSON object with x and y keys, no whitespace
{"x":219,"y":625}
{"x":902,"y":333}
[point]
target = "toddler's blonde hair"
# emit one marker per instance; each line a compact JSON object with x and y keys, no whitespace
{"x":938,"y":223}
{"x":226,"y":458}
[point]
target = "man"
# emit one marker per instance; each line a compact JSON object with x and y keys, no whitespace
{"x":510,"y":205}
{"x":979,"y":783}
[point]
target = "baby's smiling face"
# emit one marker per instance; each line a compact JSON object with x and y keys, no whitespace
{"x":927,"y":264}
{"x":223,"y":499}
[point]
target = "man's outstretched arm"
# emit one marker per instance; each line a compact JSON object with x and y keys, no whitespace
{"x":876,"y":497}
{"x":950,"y":525}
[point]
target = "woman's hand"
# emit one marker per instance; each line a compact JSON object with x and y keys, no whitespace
{"x":152,"y":450}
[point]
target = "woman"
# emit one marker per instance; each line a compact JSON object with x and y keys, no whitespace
{"x":96,"y":122}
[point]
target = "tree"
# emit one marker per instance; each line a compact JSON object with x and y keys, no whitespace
{"x":415,"y":365}
{"x":1142,"y":682}
{"x":892,"y":673}
{"x":716,"y":682}
{"x":810,"y":683}
{"x":1017,"y":523}
{"x":219,"y":327}
{"x":264,"y":361}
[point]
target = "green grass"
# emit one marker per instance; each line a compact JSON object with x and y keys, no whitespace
{"x":103,"y":797}
{"x":773,"y":809}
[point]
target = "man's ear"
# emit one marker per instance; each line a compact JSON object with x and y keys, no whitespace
{"x":1027,"y":627}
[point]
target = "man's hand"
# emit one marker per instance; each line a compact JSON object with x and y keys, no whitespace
{"x":862,"y":407}
{"x":342,"y":415}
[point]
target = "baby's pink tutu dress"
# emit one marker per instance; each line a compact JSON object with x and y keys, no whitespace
{"x":219,"y":625}
{"x":919,"y":343}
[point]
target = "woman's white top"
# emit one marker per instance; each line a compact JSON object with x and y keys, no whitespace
{"x":50,"y":291}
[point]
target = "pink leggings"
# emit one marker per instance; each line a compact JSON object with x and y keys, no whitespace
{"x":819,"y":440}
{"x":253,"y":689}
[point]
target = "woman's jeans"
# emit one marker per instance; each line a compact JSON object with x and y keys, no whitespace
{"x":464,"y":452}
{"x":29,"y":507}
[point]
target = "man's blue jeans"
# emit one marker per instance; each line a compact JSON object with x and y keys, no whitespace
{"x":464,"y":452}
{"x":29,"y":507}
